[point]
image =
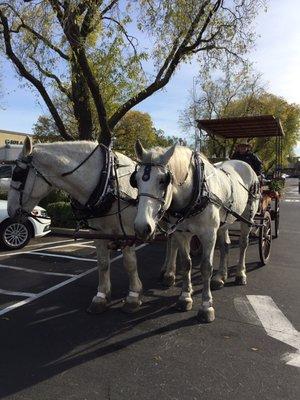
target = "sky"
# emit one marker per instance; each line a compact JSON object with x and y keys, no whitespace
{"x":277,"y":57}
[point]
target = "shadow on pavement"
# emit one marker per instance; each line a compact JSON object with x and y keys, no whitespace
{"x":53,"y":335}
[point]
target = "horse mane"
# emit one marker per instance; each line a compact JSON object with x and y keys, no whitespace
{"x":178,"y":164}
{"x":70,"y":148}
{"x":79,"y":145}
{"x":154,"y":154}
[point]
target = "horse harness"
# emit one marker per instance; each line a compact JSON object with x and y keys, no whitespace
{"x":107,"y":191}
{"x":19,"y":178}
{"x":201,"y":195}
{"x":100,"y":201}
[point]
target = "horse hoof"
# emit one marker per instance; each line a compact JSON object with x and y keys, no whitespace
{"x":131,"y":307}
{"x":240,"y":280}
{"x":216,"y":284}
{"x":184,"y":305}
{"x":206,"y":315}
{"x":168,"y":281}
{"x":97,"y":307}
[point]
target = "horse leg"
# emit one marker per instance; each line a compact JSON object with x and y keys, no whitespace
{"x":132,"y":302}
{"x":100,"y":301}
{"x":207,"y":312}
{"x":220,"y":278}
{"x":168,"y":271}
{"x":182,"y":242}
{"x":241,"y":278}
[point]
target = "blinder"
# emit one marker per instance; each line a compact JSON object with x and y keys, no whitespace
{"x":168,"y":179}
{"x":132,"y":180}
{"x":146,"y":175}
{"x":20,"y":174}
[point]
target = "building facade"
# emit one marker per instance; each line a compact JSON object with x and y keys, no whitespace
{"x":10,"y":137}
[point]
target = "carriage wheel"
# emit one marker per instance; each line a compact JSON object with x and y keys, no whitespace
{"x":196,"y":247}
{"x":276,"y":218}
{"x":265,"y":238}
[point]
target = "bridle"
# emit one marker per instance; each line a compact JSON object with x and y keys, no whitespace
{"x":19,"y":178}
{"x":146,"y":177}
{"x":197,"y":203}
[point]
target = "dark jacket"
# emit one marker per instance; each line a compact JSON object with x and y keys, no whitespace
{"x":251,"y":159}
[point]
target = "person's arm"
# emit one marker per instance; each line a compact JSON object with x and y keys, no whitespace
{"x":257,"y":164}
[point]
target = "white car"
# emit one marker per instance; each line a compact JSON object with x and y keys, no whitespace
{"x":15,"y":235}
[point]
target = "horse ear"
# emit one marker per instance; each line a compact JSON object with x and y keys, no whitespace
{"x":168,"y":154}
{"x":139,"y":150}
{"x":27,"y":146}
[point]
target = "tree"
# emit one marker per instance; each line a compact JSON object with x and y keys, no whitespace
{"x":241,"y":95}
{"x":83,"y":51}
{"x":134,"y":125}
{"x":289,"y":114}
{"x":217,"y":94}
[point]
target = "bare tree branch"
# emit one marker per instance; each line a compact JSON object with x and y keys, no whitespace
{"x":72,"y":33}
{"x":26,"y":74}
{"x":128,"y":37}
{"x":164,"y":74}
{"x":51,"y":75}
{"x":109,"y":7}
{"x":46,"y":41}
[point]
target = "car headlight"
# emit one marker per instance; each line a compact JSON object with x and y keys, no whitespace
{"x":43,"y":214}
{"x":40,"y":213}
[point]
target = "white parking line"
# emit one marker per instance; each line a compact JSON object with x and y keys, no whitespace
{"x":37,"y":250}
{"x":63,"y":245}
{"x":60,"y":256}
{"x":86,"y":245}
{"x":46,"y":244}
{"x":34,"y":271}
{"x":277,"y":325}
{"x":22,"y":294}
{"x":55,"y":287}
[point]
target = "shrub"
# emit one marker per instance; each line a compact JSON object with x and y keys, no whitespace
{"x":54,"y":197}
{"x":61,"y":214}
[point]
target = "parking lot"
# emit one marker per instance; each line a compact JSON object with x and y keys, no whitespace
{"x":42,"y":267}
{"x":51,"y":348}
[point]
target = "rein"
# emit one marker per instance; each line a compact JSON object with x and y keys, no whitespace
{"x":82,"y":162}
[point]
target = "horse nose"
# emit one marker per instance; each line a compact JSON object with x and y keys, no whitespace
{"x":147,"y":230}
{"x":143,"y":232}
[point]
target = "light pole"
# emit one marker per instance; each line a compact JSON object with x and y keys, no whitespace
{"x":196,"y":132}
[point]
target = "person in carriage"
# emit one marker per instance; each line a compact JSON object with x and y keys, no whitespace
{"x":243,"y":152}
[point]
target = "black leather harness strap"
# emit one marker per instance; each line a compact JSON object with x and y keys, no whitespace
{"x":105,"y":193}
{"x":20,"y":174}
{"x":201,"y":197}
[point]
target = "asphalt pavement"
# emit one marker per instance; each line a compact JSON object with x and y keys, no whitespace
{"x":50,"y":348}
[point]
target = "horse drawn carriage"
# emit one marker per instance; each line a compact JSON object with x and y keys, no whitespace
{"x":124,"y":202}
{"x":265,"y":126}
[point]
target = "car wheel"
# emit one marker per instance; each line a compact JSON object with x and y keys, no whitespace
{"x":14,"y":235}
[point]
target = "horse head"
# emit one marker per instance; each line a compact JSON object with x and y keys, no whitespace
{"x":154,"y":182}
{"x":27,"y":186}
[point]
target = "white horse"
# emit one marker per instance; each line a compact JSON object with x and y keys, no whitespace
{"x":166,"y":183}
{"x":40,"y":170}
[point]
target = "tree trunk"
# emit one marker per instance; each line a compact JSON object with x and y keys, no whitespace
{"x":81,"y":104}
